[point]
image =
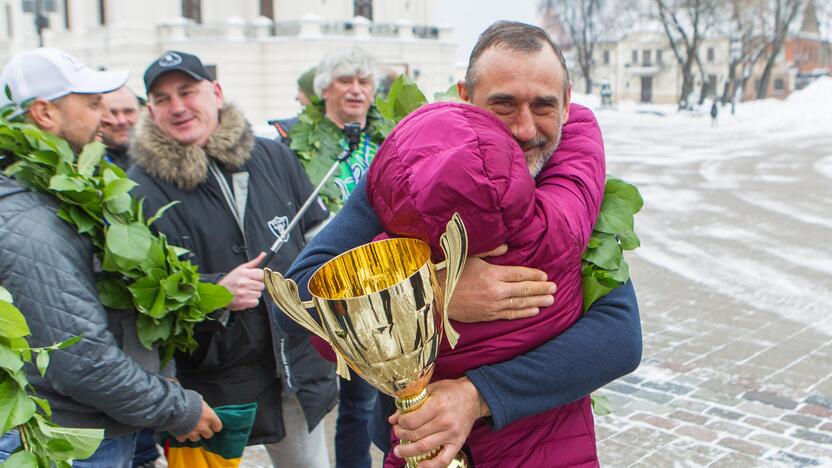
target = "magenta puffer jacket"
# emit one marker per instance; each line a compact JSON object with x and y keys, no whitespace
{"x":453,"y":157}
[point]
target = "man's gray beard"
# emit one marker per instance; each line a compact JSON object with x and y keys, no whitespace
{"x":537,"y":165}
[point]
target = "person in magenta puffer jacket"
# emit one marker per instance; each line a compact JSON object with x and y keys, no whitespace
{"x":454,"y":157}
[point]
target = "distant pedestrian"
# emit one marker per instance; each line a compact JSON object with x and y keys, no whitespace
{"x":714,"y":113}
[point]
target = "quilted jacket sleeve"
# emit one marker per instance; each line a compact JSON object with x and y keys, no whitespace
{"x":47,"y":267}
{"x":572,"y":183}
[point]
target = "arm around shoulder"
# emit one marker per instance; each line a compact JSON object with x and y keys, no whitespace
{"x":603,"y":345}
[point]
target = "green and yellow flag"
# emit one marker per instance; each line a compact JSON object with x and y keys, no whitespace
{"x":224,"y":450}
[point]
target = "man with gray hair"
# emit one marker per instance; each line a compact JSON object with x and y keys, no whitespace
{"x":345,"y":82}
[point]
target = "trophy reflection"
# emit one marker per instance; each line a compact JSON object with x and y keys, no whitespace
{"x":383,"y":311}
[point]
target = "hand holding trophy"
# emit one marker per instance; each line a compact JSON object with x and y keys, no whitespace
{"x":383,"y":311}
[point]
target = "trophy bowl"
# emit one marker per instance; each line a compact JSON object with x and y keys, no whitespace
{"x":381,"y":307}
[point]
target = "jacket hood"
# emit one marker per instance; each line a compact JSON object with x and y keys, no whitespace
{"x":186,"y":166}
{"x":445,"y":158}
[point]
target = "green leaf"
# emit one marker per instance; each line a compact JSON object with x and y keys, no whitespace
{"x":5,"y":295}
{"x":84,"y":442}
{"x":450,"y":94}
{"x":82,"y":221}
{"x":607,"y":255}
{"x":10,"y":359}
{"x":120,"y":204}
{"x":117,"y":188}
{"x":160,"y":212}
{"x":21,"y":459}
{"x":43,"y":404}
{"x":65,"y":183}
{"x":157,"y":310}
{"x":129,"y":242}
{"x":90,"y":157}
{"x":593,"y":290}
{"x":114,"y":294}
{"x":15,"y":406}
{"x":42,"y":362}
{"x":175,"y":289}
{"x":627,"y":192}
{"x":58,"y":445}
{"x":600,"y":405}
{"x":150,"y":331}
{"x":12,"y":323}
{"x":615,"y":216}
{"x":144,"y":292}
{"x":212,"y":297}
{"x":67,"y":343}
{"x":629,"y":240}
{"x":403,"y":98}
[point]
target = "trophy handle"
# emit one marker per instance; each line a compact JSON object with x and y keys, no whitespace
{"x":284,"y":292}
{"x":455,"y":245}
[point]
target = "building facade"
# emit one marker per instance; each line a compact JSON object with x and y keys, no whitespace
{"x":256,"y":48}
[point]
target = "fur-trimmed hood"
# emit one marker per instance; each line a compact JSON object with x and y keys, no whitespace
{"x":186,"y":166}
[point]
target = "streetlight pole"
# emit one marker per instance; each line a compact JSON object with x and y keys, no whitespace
{"x":41,"y":21}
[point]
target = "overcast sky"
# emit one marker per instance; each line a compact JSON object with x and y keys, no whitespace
{"x":470,"y":17}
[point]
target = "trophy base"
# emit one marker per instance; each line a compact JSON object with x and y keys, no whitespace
{"x":413,"y":403}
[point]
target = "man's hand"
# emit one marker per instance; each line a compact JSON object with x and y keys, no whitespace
{"x":444,"y":420}
{"x":246,"y":284}
{"x":487,"y":292}
{"x":208,"y":424}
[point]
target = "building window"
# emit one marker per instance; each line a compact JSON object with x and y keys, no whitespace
{"x":363,"y":8}
{"x":102,"y":12}
{"x":635,"y":57}
{"x":646,"y":58}
{"x":192,"y":9}
{"x":606,"y":57}
{"x":658,"y":56}
{"x":710,"y":54}
{"x":267,"y":8}
{"x":9,"y":24}
{"x":779,"y":86}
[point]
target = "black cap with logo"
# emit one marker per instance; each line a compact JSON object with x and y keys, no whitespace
{"x":175,"y":61}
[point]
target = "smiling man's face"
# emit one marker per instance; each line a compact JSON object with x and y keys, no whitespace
{"x":348,"y":99}
{"x":184,"y":108}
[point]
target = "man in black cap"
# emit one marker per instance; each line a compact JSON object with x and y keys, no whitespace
{"x":237,"y":194}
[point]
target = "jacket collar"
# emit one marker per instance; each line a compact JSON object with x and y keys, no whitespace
{"x":186,"y":166}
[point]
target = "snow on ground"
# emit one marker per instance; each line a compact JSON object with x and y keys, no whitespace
{"x":743,"y":209}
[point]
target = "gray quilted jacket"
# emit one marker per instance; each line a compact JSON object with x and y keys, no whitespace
{"x":99,"y":382}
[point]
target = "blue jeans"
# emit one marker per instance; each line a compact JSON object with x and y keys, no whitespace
{"x":114,"y":452}
{"x":352,"y":438}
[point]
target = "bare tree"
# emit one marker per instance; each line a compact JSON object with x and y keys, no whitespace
{"x":582,"y":19}
{"x":686,"y":22}
{"x":785,"y":12}
{"x":745,"y":25}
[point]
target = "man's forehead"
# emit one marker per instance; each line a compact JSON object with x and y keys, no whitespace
{"x":505,"y":69}
{"x":175,"y":79}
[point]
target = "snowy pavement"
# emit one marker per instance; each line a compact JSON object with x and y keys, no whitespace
{"x":734,"y":279}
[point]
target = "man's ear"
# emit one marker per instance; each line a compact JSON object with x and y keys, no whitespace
{"x":218,"y":93}
{"x":567,"y":102}
{"x":462,"y":91}
{"x":45,"y":115}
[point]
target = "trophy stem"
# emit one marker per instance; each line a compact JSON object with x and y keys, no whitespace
{"x":410,"y":404}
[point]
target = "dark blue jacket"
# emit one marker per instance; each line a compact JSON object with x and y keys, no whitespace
{"x":602,"y":346}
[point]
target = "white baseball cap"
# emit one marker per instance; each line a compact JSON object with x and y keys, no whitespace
{"x":51,"y":74}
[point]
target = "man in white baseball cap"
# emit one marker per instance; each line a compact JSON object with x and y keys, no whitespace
{"x":59,"y":94}
{"x":108,"y":379}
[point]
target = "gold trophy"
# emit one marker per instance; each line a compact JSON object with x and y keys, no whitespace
{"x":383,"y":311}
